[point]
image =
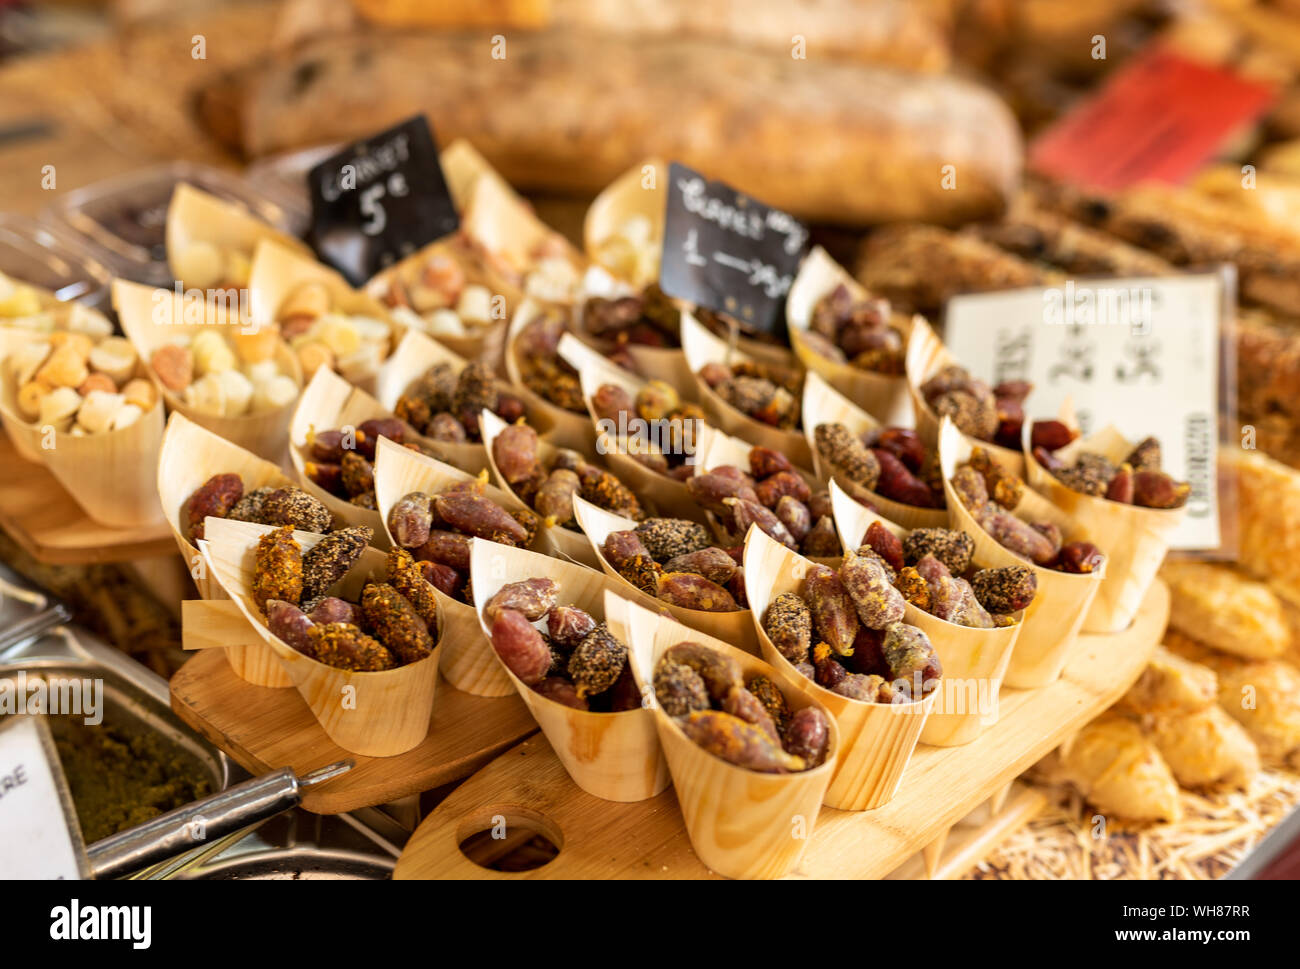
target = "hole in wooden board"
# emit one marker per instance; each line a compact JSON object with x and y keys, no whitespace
{"x":509,"y":838}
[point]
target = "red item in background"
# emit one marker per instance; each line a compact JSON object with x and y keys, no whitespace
{"x":1159,"y":117}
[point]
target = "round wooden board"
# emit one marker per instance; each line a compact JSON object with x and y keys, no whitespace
{"x":265,"y":729}
{"x":599,"y":839}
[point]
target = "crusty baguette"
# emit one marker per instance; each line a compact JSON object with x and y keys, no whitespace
{"x":830,"y":141}
{"x":919,"y":267}
{"x":900,"y":33}
{"x":1188,"y":228}
{"x":1036,"y":234}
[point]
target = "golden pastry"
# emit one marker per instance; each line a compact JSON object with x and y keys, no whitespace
{"x":1120,"y":771}
{"x":1223,"y":608}
{"x":1206,"y":748}
{"x":1171,"y":684}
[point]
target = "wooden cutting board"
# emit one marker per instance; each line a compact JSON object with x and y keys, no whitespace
{"x":529,"y":788}
{"x":265,"y":729}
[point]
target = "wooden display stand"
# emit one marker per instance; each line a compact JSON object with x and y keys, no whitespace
{"x":942,"y":785}
{"x":43,"y":518}
{"x":266,"y":729}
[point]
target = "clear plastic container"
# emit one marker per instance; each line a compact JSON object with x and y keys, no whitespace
{"x":55,"y":258}
{"x":125,"y":218}
{"x":284,"y":177}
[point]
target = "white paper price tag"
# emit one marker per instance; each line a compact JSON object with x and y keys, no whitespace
{"x":39,"y":836}
{"x":1141,"y":354}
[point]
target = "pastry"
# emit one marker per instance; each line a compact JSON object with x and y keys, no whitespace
{"x":1206,"y":748}
{"x":1119,"y":771}
{"x":1171,"y":685}
{"x":1222,"y":608}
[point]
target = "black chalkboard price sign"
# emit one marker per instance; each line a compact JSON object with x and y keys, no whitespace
{"x":379,"y":200}
{"x":727,"y":251}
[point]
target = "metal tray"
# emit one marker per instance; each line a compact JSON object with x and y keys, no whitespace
{"x":25,"y":610}
{"x":297,"y":844}
{"x":301,"y":846}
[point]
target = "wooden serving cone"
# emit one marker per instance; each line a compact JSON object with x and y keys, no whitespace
{"x":876,"y":739}
{"x":1051,"y":623}
{"x":642,"y":193}
{"x":742,"y":823}
{"x":329,"y":403}
{"x":659,"y":493}
{"x":279,"y":272}
{"x":467,"y":661}
{"x":615,"y":756}
{"x":551,"y":539}
{"x":152,"y":318}
{"x":666,"y":363}
{"x":109,"y":474}
{"x":926,"y":356}
{"x":566,"y":428}
{"x":715,"y":449}
{"x":191,"y":454}
{"x":1134,"y":539}
{"x":25,"y":435}
{"x":502,"y":225}
{"x":377,"y":714}
{"x":195,"y":216}
{"x":481,"y":341}
{"x":462,"y":166}
{"x":883,"y":396}
{"x":974,"y":660}
{"x":639,"y":193}
{"x":822,"y":404}
{"x":702,"y":347}
{"x":415,"y":355}
{"x":734,"y":627}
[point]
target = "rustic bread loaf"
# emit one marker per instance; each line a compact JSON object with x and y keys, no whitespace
{"x":1038,"y":235}
{"x":900,"y":33}
{"x":1190,"y":229}
{"x":919,"y":267}
{"x":831,"y":141}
